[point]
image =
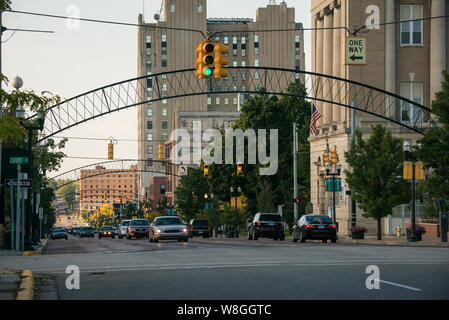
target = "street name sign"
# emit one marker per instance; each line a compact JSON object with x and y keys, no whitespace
{"x":355,"y":50}
{"x":26,"y":183}
{"x":18,"y":160}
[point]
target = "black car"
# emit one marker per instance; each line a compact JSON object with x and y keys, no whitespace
{"x":58,"y":233}
{"x":76,"y":231}
{"x":106,"y":231}
{"x":314,"y":227}
{"x":199,"y":227}
{"x":266,"y":225}
{"x":86,"y":232}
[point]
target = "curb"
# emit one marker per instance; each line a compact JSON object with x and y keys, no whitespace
{"x":42,"y":249}
{"x":26,"y":289}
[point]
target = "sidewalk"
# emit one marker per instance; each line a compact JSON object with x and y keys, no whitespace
{"x":9,"y":284}
{"x":39,"y":249}
{"x":393,"y":241}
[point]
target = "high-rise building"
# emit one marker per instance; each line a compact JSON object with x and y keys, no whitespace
{"x":167,"y":49}
{"x":404,"y":58}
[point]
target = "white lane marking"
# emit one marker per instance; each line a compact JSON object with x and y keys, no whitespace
{"x":398,"y":285}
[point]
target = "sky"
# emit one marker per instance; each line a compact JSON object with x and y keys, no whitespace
{"x":69,"y":62}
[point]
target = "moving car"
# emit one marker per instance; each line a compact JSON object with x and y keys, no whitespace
{"x":58,"y":233}
{"x":122,"y":228}
{"x":106,"y":231}
{"x":138,"y":228}
{"x":76,"y":231}
{"x":86,"y":232}
{"x":199,"y":227}
{"x":266,"y":225}
{"x":314,"y":227}
{"x":168,"y":228}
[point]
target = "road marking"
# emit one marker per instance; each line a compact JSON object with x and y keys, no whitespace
{"x":398,"y":285}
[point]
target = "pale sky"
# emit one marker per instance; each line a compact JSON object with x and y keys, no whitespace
{"x":70,"y":62}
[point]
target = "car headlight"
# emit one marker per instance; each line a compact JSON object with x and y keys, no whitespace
{"x":157,"y":230}
{"x":184,"y":229}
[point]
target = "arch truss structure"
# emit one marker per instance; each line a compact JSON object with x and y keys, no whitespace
{"x":247,"y":80}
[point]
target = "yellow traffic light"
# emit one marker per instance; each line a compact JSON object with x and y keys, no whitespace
{"x":206,"y":170}
{"x":110,"y":151}
{"x":160,"y":151}
{"x":199,"y":61}
{"x":325,"y":158}
{"x":204,"y":59}
{"x":221,"y":61}
{"x":334,"y":156}
{"x":239,"y":168}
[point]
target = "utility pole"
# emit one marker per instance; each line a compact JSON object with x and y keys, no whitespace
{"x":353,"y":203}
{"x":295,"y":173}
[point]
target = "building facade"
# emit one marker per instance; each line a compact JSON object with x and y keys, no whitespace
{"x":102,"y":186}
{"x":163,"y":50}
{"x":404,"y":58}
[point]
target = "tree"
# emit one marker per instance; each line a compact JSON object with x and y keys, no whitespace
{"x":433,"y":149}
{"x":376,"y":176}
{"x":189,"y":196}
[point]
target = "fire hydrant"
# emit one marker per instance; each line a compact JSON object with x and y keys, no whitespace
{"x":399,"y":231}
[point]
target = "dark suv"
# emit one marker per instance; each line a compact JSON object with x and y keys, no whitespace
{"x":266,"y":225}
{"x":199,"y":227}
{"x":315,"y":227}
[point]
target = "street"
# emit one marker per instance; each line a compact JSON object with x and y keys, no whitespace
{"x":238,"y":269}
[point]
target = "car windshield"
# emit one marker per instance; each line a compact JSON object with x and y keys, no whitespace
{"x":58,"y":230}
{"x":167,"y":221}
{"x":87,"y":229}
{"x":200,"y":223}
{"x":270,"y":217}
{"x":106,"y":228}
{"x":319,"y":219}
{"x":125,"y":223}
{"x":139,"y":223}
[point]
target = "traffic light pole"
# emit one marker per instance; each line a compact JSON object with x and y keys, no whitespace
{"x":413,"y":236}
{"x":333,"y":199}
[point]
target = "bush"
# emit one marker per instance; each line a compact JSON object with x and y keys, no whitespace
{"x":358,"y":229}
{"x":418,"y":229}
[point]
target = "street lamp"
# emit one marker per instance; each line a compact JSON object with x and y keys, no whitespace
{"x":333,"y":174}
{"x":236,"y":194}
{"x":30,"y":219}
{"x":410,"y":156}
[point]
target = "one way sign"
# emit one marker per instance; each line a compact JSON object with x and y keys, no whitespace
{"x":355,"y":50}
{"x":24,"y":183}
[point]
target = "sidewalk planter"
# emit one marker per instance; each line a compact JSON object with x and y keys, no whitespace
{"x":358,"y":232}
{"x":432,"y":229}
{"x":419,"y":231}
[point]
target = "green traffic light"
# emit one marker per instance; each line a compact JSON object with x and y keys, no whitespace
{"x":208,"y":72}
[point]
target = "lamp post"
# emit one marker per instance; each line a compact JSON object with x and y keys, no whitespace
{"x":236,"y":194}
{"x":30,"y":219}
{"x":333,"y":174}
{"x":410,"y":156}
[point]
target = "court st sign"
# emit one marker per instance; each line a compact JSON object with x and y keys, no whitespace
{"x":355,"y":50}
{"x":18,"y":160}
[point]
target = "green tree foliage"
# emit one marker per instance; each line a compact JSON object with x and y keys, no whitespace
{"x":433,"y":150}
{"x":189,"y":196}
{"x":5,"y":5}
{"x":375,"y":179}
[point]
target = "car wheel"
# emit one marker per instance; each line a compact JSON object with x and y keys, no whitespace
{"x":113,"y":237}
{"x":334,"y":240}
{"x":302,"y":238}
{"x":66,"y":238}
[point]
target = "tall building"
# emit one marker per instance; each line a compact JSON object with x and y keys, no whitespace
{"x":405,"y":58}
{"x":166,"y":49}
{"x":102,"y":186}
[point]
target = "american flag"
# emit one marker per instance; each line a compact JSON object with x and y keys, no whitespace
{"x":315,"y":116}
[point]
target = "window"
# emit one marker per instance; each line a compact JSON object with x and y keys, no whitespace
{"x":297,"y":65}
{"x":150,"y":137}
{"x":226,"y":40}
{"x":413,"y":92}
{"x":164,"y":112}
{"x":164,"y":46}
{"x":256,"y":63}
{"x":150,"y":112}
{"x":172,"y":8}
{"x":234,"y":63}
{"x":243,"y":88}
{"x":256,"y":87}
{"x":234,"y":40}
{"x":217,"y":101}
{"x":200,"y":8}
{"x":164,"y":101}
{"x":235,"y":76}
{"x":411,"y":31}
{"x":149,"y":125}
{"x":226,"y":88}
{"x":164,"y":63}
{"x":164,"y":125}
{"x":148,"y":45}
{"x":243,"y":63}
{"x":243,"y":40}
{"x":256,"y":75}
{"x":226,"y":101}
{"x":150,"y":149}
{"x":164,"y":87}
{"x":297,"y":38}
{"x":234,"y":52}
{"x":164,"y":137}
{"x":209,"y":101}
{"x":234,"y":88}
{"x":149,"y":162}
{"x":234,"y":101}
{"x":243,"y":76}
{"x":243,"y":52}
{"x":256,"y":51}
{"x":256,"y":38}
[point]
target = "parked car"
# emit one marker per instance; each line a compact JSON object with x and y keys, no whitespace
{"x":106,"y":231}
{"x":86,"y":232}
{"x":58,"y":233}
{"x":314,"y":227}
{"x":168,"y":228}
{"x":199,"y":227}
{"x":266,"y":225}
{"x":122,"y":228}
{"x":138,"y":228}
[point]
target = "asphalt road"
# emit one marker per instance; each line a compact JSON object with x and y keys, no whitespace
{"x":239,"y":269}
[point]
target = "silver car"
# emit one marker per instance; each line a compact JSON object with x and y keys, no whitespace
{"x":122,"y":228}
{"x":168,"y":228}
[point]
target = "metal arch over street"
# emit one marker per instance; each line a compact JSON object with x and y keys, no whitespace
{"x":112,"y":167}
{"x":183,"y":83}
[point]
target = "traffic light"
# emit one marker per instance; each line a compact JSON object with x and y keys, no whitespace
{"x":239,"y":169}
{"x":205,"y":59}
{"x":110,"y":151}
{"x":334,"y":156}
{"x":296,"y":200}
{"x":160,"y":151}
{"x":325,"y":158}
{"x":206,"y":170}
{"x":221,"y":61}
